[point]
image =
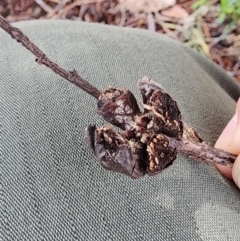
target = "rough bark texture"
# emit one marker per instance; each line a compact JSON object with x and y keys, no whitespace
{"x":203,"y":152}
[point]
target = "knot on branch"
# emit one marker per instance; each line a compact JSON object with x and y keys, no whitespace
{"x":17,"y":35}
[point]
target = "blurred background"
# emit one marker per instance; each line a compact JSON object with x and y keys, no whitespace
{"x":211,"y":27}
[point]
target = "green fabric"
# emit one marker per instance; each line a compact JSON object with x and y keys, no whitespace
{"x":52,"y":187}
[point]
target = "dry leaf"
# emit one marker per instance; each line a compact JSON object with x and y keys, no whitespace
{"x":234,"y":50}
{"x":175,"y":12}
{"x":146,"y":5}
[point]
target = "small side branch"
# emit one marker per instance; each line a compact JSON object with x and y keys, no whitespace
{"x":71,"y":76}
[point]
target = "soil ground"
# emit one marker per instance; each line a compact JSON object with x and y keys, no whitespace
{"x":198,"y":28}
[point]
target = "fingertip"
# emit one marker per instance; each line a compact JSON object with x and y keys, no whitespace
{"x":229,"y":140}
{"x":225,"y":138}
{"x":235,"y":141}
{"x":236,"y":171}
{"x":225,"y":171}
{"x":238,"y":106}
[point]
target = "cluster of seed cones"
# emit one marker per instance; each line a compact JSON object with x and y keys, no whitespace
{"x":150,"y":140}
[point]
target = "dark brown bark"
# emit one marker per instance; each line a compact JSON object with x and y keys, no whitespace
{"x":71,"y":76}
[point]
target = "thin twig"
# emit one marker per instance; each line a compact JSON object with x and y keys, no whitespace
{"x":10,"y":7}
{"x":71,"y":76}
{"x":43,"y":5}
{"x":151,"y":22}
{"x":76,"y":4}
{"x":216,"y":55}
{"x":53,"y":14}
{"x":170,"y":33}
{"x":123,"y":18}
{"x":205,"y":29}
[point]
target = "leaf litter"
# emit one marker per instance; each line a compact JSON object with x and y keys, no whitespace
{"x":198,"y":29}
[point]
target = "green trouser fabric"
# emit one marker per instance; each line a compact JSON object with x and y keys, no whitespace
{"x":52,"y":187}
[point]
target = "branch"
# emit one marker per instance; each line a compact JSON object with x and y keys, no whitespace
{"x":202,"y":152}
{"x":71,"y":76}
{"x":151,"y":140}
